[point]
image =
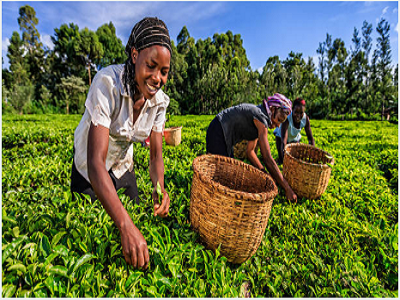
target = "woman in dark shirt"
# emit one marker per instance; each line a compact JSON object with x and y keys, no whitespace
{"x":251,"y":122}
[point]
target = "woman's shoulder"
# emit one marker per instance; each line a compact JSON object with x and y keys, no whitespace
{"x":109,"y":78}
{"x":160,"y":98}
{"x":113,"y":71}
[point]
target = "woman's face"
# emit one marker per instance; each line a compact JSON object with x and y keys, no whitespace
{"x":279,"y":116}
{"x":298,"y":112}
{"x":151,"y":69}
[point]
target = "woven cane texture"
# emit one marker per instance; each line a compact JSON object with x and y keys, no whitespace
{"x":239,"y":150}
{"x":305,"y":169}
{"x":230,"y":203}
{"x":173,"y":135}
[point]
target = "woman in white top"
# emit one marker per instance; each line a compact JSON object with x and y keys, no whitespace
{"x":289,"y":131}
{"x":125,"y":104}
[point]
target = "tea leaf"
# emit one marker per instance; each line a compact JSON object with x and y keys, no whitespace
{"x":10,"y":248}
{"x":85,"y":258}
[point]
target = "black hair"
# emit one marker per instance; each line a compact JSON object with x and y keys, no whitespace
{"x":298,"y":101}
{"x":146,"y":33}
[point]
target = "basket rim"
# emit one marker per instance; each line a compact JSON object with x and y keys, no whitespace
{"x":173,"y":128}
{"x":264,"y":196}
{"x":293,"y":145}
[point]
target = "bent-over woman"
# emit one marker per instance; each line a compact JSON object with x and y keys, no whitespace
{"x":251,"y":122}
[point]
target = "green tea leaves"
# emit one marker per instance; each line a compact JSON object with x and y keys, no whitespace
{"x":84,"y":259}
{"x":344,"y":244}
{"x":160,"y":194}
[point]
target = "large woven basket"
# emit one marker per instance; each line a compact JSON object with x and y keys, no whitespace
{"x":306,"y":169}
{"x":230,"y":203}
{"x":173,"y":135}
{"x":239,"y":150}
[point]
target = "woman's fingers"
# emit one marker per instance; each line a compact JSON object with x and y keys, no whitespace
{"x":140,"y":259}
{"x":127,"y":257}
{"x":162,"y":210}
{"x":134,"y":259}
{"x":146,"y":257}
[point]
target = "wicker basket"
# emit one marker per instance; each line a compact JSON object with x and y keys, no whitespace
{"x":239,"y":150}
{"x":172,"y":135}
{"x":305,"y":169}
{"x":230,"y":203}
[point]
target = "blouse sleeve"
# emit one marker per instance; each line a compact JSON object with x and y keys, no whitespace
{"x":160,"y":118}
{"x":100,"y":101}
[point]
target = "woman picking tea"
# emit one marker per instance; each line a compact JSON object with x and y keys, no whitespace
{"x":125,"y":104}
{"x":251,"y":122}
{"x":289,"y":131}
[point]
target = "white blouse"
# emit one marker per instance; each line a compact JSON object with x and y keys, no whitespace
{"x":109,"y":105}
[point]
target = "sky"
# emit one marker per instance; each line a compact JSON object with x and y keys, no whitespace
{"x":267,"y":28}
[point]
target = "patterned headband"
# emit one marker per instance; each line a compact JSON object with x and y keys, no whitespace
{"x":279,"y":100}
{"x":148,"y":32}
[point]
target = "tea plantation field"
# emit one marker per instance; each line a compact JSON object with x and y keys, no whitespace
{"x":344,"y":244}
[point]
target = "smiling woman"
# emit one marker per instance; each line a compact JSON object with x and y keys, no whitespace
{"x":125,"y":104}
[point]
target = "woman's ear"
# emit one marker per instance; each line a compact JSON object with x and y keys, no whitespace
{"x":134,"y":55}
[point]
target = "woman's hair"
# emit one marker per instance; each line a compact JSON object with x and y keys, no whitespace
{"x":299,"y":101}
{"x":146,"y":33}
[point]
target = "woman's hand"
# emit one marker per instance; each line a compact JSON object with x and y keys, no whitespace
{"x":292,"y":197}
{"x":163,"y":209}
{"x":134,"y":246}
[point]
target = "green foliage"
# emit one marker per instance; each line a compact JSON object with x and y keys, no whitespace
{"x":21,"y":96}
{"x":113,"y":50}
{"x":73,"y":88}
{"x":344,"y":244}
{"x":207,"y":76}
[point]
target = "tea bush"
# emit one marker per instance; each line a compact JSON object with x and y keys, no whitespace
{"x":344,"y":244}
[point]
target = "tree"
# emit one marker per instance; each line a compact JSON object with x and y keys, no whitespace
{"x":367,"y":40}
{"x":21,"y":96}
{"x":337,"y":55}
{"x":88,"y":49}
{"x":16,"y":55}
{"x":177,"y":80}
{"x":322,"y":52}
{"x":357,"y":43}
{"x":294,"y":66}
{"x":113,"y":50}
{"x":366,"y":68}
{"x":72,"y":88}
{"x":384,"y":59}
{"x":274,"y":78}
{"x":310,"y":90}
{"x":66,"y":43}
{"x":183,"y":41}
{"x":27,"y":22}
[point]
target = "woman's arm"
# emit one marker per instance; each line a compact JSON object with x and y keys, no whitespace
{"x":270,"y":162}
{"x":134,"y":246}
{"x":252,"y":155}
{"x":309,"y":132}
{"x":284,"y":137}
{"x":157,"y":174}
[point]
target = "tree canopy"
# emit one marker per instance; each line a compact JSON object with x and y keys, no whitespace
{"x":207,"y":75}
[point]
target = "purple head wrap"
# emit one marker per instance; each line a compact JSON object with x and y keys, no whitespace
{"x":279,"y":100}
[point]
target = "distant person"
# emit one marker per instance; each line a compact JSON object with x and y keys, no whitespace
{"x":125,"y":104}
{"x":289,"y":131}
{"x":251,"y":122}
